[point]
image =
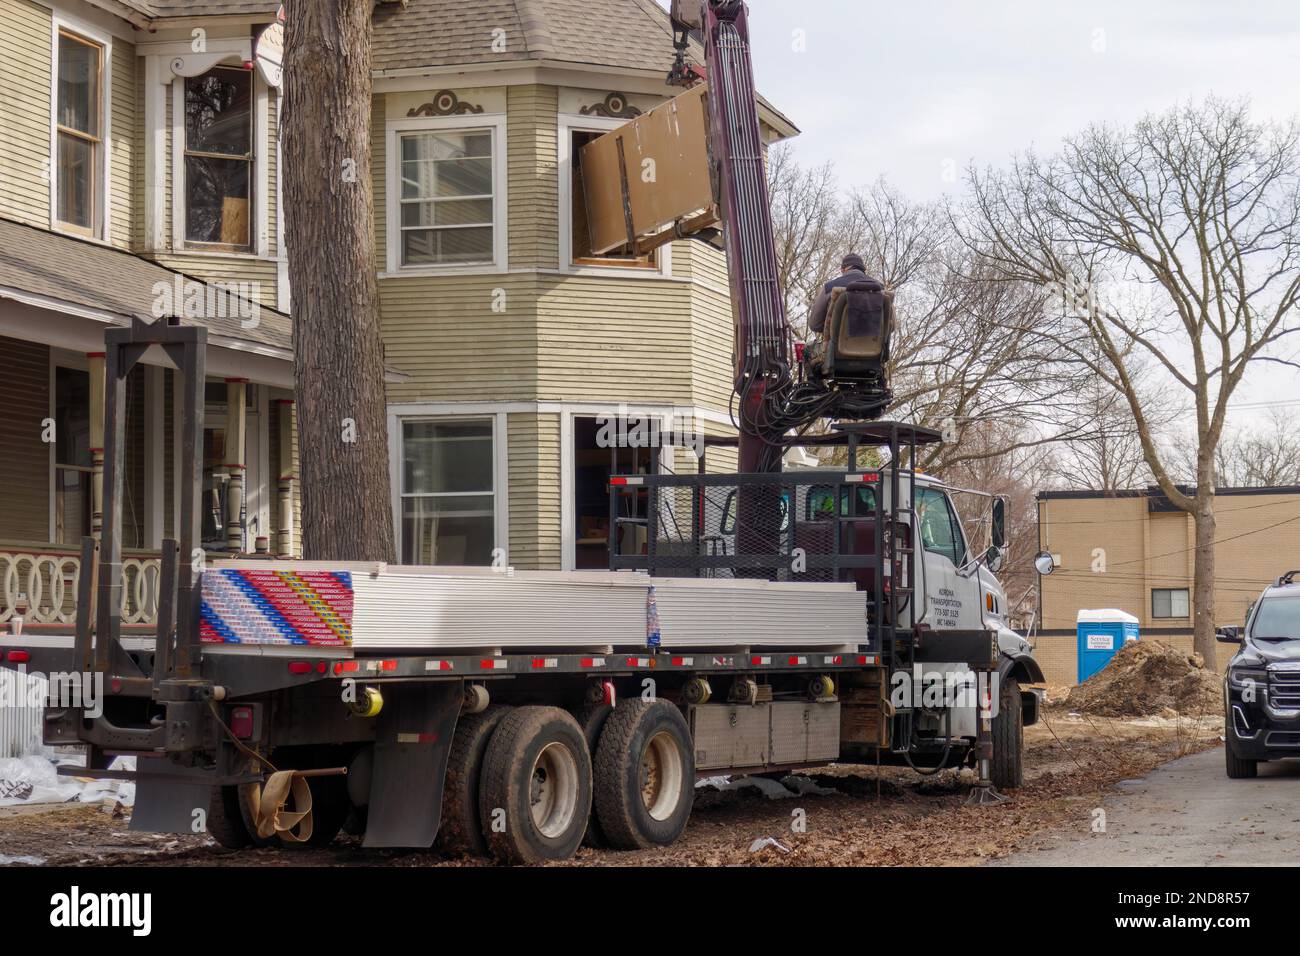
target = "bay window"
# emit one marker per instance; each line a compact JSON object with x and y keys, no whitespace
{"x":448,"y":492}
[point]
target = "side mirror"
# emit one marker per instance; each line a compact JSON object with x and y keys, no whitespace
{"x":999,"y":523}
{"x":994,"y":558}
{"x":1228,"y":635}
{"x":1044,"y":563}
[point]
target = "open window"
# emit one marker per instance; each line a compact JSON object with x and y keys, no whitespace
{"x":79,"y":135}
{"x":580,"y":234}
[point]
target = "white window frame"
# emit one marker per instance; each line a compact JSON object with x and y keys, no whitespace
{"x":394,"y":129}
{"x":500,"y":468}
{"x":259,"y":226}
{"x":573,"y":123}
{"x":62,"y":23}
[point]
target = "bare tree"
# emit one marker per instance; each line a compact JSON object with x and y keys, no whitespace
{"x":1266,"y":456}
{"x":1177,"y":240}
{"x":329,"y":231}
{"x":808,"y":223}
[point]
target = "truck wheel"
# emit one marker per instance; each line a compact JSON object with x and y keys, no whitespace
{"x":591,"y":719}
{"x":1237,"y":767}
{"x":459,"y":832}
{"x":225,"y":823}
{"x":535,"y":790}
{"x":645,"y":775}
{"x":1008,"y":739}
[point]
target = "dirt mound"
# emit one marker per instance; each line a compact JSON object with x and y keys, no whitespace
{"x":1148,"y":679}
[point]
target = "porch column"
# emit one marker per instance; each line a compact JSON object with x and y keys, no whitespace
{"x":287,"y":476}
{"x":236,"y":406}
{"x":95,"y":362}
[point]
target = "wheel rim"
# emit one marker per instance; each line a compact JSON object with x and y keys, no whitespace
{"x":661,"y":776}
{"x":553,"y":790}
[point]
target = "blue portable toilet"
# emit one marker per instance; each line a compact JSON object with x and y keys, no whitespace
{"x":1100,"y":634}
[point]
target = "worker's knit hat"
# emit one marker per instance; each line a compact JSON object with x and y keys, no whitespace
{"x":853,"y":261}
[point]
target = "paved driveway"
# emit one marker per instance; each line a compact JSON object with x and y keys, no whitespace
{"x":1186,"y":813}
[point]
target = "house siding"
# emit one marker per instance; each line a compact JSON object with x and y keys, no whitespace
{"x":25,"y":68}
{"x":534,"y":493}
{"x":124,"y":153}
{"x":25,"y":464}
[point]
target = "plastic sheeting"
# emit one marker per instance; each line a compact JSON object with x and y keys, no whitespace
{"x":35,"y":779}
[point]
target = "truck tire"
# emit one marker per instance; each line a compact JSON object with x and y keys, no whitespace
{"x":535,"y":789}
{"x":1238,"y":768}
{"x":459,"y":832}
{"x":225,"y":823}
{"x":1007,"y":770}
{"x":591,"y":718}
{"x":645,"y":775}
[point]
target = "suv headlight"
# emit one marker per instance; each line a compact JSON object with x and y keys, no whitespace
{"x":1240,"y":678}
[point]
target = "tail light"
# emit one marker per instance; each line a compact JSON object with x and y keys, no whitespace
{"x":241,"y":722}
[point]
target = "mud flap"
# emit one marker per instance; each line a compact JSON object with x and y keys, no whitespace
{"x":412,"y":743}
{"x":167,"y":805}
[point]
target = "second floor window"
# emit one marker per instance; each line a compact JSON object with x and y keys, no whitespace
{"x":78,"y":133}
{"x":219,"y":157}
{"x":447,"y":197}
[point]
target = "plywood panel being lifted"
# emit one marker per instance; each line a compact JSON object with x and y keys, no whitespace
{"x":648,"y":174}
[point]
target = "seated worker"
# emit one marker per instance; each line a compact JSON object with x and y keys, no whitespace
{"x":852,"y":269}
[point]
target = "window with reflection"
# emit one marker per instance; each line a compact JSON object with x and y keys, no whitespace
{"x":219,"y":157}
{"x":78,"y":134}
{"x":448,"y":493}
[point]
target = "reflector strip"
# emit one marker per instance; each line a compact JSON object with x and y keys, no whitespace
{"x":438,"y":665}
{"x":494,"y":664}
{"x":592,"y":662}
{"x":417,"y":738}
{"x":836,"y":659}
{"x":540,"y":663}
{"x":683,"y":662}
{"x":798,"y":661}
{"x":639,"y":662}
{"x":760,"y":661}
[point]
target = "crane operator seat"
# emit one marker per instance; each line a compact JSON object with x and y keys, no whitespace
{"x":854,"y":346}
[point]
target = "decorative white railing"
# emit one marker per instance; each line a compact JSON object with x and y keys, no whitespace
{"x":39,"y":583}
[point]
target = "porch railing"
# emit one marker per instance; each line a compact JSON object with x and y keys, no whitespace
{"x":38,"y":582}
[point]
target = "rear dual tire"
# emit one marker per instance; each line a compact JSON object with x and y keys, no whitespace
{"x":535,"y":788}
{"x":645,"y":775}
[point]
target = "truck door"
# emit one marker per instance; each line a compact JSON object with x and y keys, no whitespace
{"x":951,"y":599}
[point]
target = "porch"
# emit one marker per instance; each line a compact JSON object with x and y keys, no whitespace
{"x":57,"y":297}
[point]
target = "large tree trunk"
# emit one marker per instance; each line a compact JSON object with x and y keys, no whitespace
{"x":329,"y":233}
{"x":1203,"y":576}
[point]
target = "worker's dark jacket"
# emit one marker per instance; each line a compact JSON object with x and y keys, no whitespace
{"x":817,"y":318}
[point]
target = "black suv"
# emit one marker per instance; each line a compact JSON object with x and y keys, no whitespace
{"x":1262,"y":686}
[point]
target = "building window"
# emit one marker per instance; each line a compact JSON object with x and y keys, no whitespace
{"x":1170,"y":602}
{"x":73,"y":467}
{"x":78,"y":134}
{"x":219,"y":158}
{"x":448,"y":493}
{"x":447,"y":197}
{"x":580,"y":233}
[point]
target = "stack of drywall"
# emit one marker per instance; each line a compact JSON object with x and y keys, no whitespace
{"x":417,"y":608}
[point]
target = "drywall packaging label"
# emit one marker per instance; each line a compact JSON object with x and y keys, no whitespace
{"x":1101,"y":642}
{"x":652,"y":635}
{"x":276,"y":607}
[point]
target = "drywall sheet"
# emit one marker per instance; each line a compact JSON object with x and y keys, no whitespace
{"x":649,"y":173}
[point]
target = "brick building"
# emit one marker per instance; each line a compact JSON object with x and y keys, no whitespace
{"x":1135,"y":551}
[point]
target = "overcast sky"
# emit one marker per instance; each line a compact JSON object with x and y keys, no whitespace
{"x":909,"y":90}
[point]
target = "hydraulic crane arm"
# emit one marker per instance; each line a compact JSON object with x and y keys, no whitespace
{"x":772,"y":400}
